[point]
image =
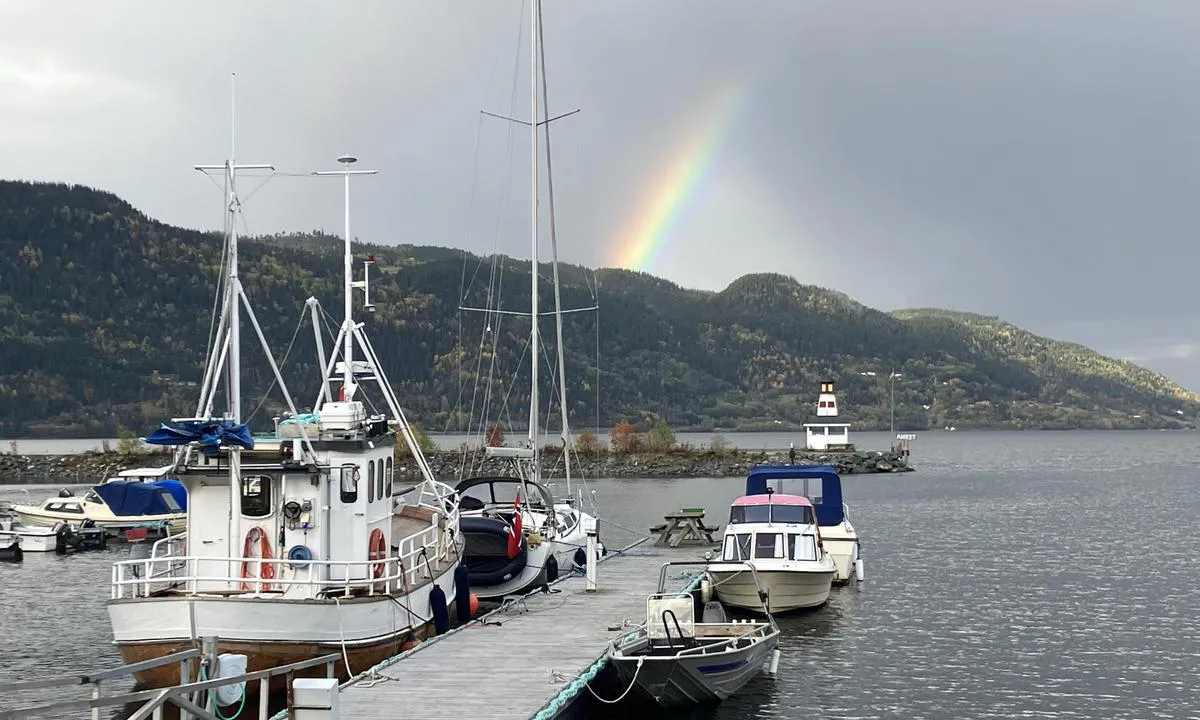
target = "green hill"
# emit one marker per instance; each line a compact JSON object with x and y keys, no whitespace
{"x":104,"y":316}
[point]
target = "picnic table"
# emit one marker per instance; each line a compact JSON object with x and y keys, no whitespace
{"x":686,"y":525}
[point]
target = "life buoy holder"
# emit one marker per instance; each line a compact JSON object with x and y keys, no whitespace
{"x":266,"y":570}
{"x":377,"y":550}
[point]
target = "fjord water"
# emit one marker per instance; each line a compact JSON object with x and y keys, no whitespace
{"x":1031,"y":574}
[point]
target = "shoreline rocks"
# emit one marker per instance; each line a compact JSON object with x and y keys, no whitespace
{"x":91,"y":468}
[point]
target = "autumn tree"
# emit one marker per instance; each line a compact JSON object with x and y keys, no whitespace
{"x":624,"y":438}
{"x":495,"y":435}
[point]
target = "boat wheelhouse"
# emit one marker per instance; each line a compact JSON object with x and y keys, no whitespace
{"x":778,"y":535}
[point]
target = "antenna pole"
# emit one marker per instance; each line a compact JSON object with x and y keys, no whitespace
{"x":348,"y":385}
{"x":233,"y":287}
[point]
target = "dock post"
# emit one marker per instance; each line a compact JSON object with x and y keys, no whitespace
{"x":593,"y":553}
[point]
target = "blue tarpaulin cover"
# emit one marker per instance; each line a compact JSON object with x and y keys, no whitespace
{"x":138,"y":498}
{"x":211,"y":435}
{"x":828,"y":506}
{"x":176,"y":488}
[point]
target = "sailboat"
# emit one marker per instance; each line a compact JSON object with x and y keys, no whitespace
{"x":295,"y":546}
{"x":519,"y":538}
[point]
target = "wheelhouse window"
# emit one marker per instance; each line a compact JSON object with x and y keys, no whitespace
{"x":802,"y":547}
{"x":801,"y":514}
{"x":387,"y":488}
{"x":256,"y":495}
{"x":348,"y":483}
{"x":749,"y":514}
{"x":770,"y":513}
{"x":370,"y":481}
{"x":379,"y":480}
{"x":768,"y":545}
{"x":737,"y":547}
{"x":65,"y":508}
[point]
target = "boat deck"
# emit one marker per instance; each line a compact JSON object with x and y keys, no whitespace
{"x":514,"y":661}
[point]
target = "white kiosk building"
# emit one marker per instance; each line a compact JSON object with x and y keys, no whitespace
{"x":827,"y":435}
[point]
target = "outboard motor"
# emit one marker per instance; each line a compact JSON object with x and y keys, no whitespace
{"x":65,"y":493}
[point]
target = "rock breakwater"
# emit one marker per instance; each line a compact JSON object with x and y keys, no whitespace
{"x":90,"y":468}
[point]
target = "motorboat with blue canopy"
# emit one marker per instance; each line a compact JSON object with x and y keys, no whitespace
{"x":138,"y":499}
{"x":822,"y":485}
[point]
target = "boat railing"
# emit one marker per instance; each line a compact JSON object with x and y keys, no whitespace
{"x":209,"y":575}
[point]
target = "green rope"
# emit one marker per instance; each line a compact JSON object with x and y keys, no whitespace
{"x":212,"y":699}
{"x":567,"y":694}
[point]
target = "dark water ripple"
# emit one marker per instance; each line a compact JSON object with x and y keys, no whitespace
{"x":1022,"y":575}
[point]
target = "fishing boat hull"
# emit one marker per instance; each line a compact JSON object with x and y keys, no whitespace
{"x":272,"y":630}
{"x":684,"y":680}
{"x":787,"y":590}
{"x":33,"y":517}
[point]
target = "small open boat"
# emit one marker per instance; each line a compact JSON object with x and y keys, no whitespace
{"x":675,"y":660}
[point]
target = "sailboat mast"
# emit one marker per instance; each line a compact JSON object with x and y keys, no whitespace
{"x":533,"y":227}
{"x":558,"y":318}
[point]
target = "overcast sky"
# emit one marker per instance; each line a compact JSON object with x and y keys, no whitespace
{"x":1039,"y":161}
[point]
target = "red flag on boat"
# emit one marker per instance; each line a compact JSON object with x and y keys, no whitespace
{"x":514,"y":537}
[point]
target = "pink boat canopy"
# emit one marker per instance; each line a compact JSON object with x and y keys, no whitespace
{"x":773,"y":499}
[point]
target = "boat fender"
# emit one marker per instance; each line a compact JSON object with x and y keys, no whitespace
{"x":299,"y":555}
{"x":438,"y":609}
{"x":773,"y":667}
{"x":551,"y":569}
{"x":462,"y":593}
{"x":858,"y":569}
{"x":705,"y":590}
{"x":580,"y":558}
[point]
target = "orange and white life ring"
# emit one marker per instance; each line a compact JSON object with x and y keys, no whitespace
{"x":262,"y":570}
{"x":377,"y":550}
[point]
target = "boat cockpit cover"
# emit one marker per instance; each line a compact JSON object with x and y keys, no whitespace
{"x":828,"y":505}
{"x":210,"y":434}
{"x":176,"y":488}
{"x":137,"y":498}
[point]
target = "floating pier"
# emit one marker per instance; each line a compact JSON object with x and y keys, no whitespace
{"x":531,"y":658}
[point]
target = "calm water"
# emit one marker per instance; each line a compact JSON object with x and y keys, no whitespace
{"x":1013,"y":575}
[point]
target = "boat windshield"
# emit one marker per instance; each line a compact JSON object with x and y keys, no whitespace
{"x":798,"y":514}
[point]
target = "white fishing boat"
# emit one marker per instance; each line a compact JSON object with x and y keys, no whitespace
{"x":778,"y":536}
{"x":822,"y":485}
{"x":518,"y":537}
{"x":295,"y":547}
{"x":675,"y":659}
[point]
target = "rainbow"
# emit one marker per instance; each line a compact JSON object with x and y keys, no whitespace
{"x":649,"y":231}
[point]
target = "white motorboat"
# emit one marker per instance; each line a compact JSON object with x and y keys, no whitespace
{"x":822,"y":485}
{"x":778,"y":535}
{"x":295,"y":546}
{"x":29,"y":539}
{"x":676,"y":660}
{"x":113,"y":506}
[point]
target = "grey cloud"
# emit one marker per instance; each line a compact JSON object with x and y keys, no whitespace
{"x":1034,"y":160}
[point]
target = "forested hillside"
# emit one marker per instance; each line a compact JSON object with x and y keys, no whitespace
{"x":104,"y":316}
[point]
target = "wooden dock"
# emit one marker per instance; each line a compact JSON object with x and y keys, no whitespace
{"x":523,"y":660}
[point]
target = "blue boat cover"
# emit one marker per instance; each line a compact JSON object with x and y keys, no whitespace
{"x":211,"y":435}
{"x":137,"y":498}
{"x":828,"y":504}
{"x":176,"y":488}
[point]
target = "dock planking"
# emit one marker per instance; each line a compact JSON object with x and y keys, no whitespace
{"x":512,"y":670}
